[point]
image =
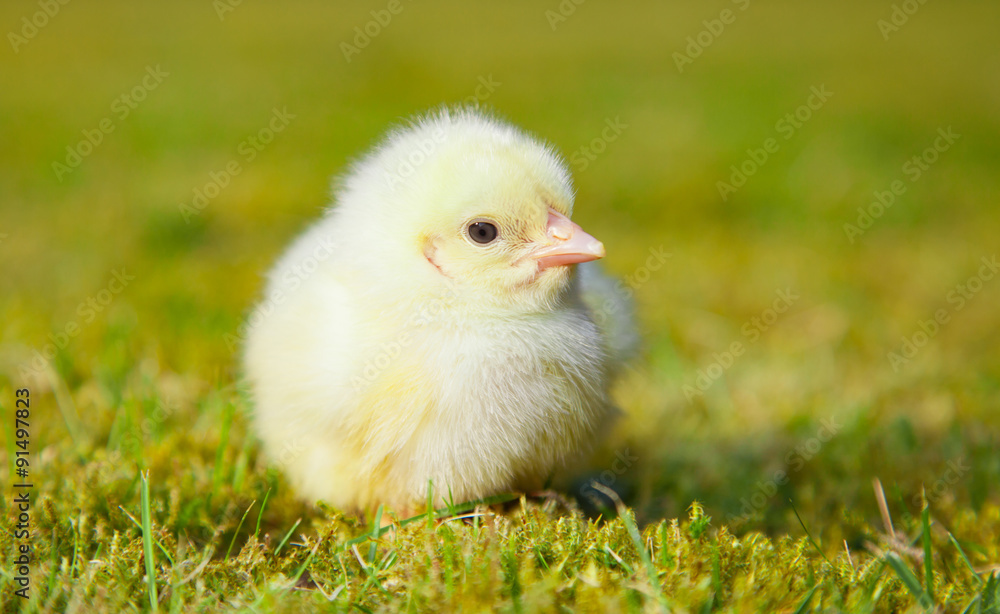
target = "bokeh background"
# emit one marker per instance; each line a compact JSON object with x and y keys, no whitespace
{"x":216,"y":73}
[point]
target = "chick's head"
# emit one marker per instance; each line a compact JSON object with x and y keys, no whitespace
{"x":483,"y":207}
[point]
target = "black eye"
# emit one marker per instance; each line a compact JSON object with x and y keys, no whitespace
{"x":483,"y":232}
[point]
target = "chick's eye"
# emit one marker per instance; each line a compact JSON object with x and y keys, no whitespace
{"x":483,"y":232}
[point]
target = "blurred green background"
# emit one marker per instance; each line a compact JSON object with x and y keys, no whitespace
{"x":654,"y":186}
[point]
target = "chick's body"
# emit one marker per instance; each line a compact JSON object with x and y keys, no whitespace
{"x":430,"y":329}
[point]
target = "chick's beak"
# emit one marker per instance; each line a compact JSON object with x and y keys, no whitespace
{"x":567,"y":244}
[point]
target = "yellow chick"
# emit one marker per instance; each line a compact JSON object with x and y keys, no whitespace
{"x":430,"y":329}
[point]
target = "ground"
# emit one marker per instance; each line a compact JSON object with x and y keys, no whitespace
{"x":800,"y":199}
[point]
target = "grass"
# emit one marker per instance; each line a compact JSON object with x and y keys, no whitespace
{"x":750,"y":493}
{"x":147,"y":544}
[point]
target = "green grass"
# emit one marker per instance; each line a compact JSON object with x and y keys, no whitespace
{"x":754,"y":494}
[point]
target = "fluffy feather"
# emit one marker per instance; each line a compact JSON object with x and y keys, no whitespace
{"x":394,"y":351}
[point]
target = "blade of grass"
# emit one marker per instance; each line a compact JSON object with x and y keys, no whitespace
{"x":968,"y":563}
{"x":909,"y":579}
{"x":883,"y":507}
{"x":716,"y":570}
{"x":372,"y":550}
{"x":809,"y":535}
{"x":284,"y":540}
{"x":444,"y":512}
{"x":147,"y":543}
{"x":989,"y":598}
{"x":633,"y":533}
{"x":240,"y":466}
{"x":874,"y":589}
{"x":139,"y":525}
{"x":432,"y":514}
{"x":804,"y":606}
{"x":373,"y":573}
{"x":256,"y":532}
{"x":429,"y":514}
{"x":238,"y":527}
{"x":305,"y":563}
{"x":628,"y":568}
{"x":925,"y":516}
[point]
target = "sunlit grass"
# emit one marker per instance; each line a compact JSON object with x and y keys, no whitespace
{"x":798,"y":424}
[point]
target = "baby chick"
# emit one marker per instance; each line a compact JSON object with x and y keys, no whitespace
{"x":429,"y":331}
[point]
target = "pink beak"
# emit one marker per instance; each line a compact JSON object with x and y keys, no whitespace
{"x":568,"y":244}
